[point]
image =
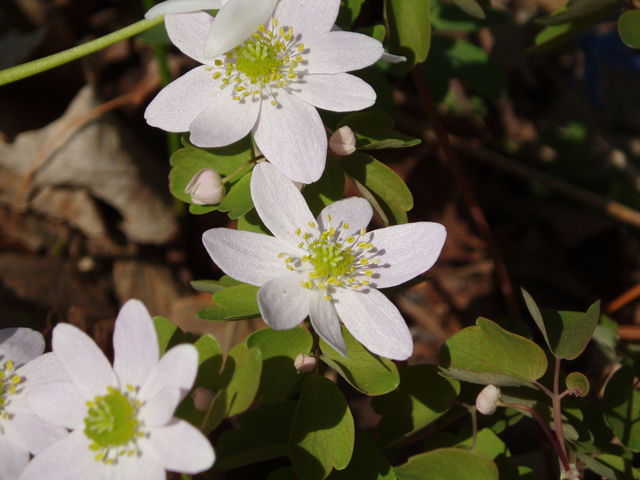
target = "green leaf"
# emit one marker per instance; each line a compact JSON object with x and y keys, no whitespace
{"x":487,"y":354}
{"x":387,"y":187}
{"x":491,"y":446}
{"x":156,"y":35}
{"x":422,"y":397}
{"x":374,"y":130}
{"x":448,"y":464}
{"x":471,"y":7}
{"x":566,"y":333}
{"x":374,"y":31}
{"x":263,"y":434}
{"x":233,"y":303}
{"x":367,"y":463}
{"x":368,"y":373}
{"x":209,"y":286}
{"x":251,"y":222}
{"x":622,"y":407}
{"x":349,"y":10}
{"x":285,"y":473}
{"x":446,"y":17}
{"x":327,"y":190}
{"x":409,"y":27}
{"x":578,"y":10}
{"x":279,"y":351}
{"x":168,"y":332}
{"x":629,"y":28}
{"x":216,"y":413}
{"x":240,"y":377}
{"x":322,"y":435}
{"x":238,"y":200}
{"x":577,"y":382}
{"x":614,"y":463}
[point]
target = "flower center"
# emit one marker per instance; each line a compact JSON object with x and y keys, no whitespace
{"x":112,"y":424}
{"x":264,"y":63}
{"x":333,"y":259}
{"x":8,"y":385}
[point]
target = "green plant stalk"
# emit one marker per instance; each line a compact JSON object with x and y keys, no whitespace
{"x":557,"y":409}
{"x":28,"y":69}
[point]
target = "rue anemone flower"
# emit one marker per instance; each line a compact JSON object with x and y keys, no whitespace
{"x":327,"y":268}
{"x":270,"y":85}
{"x":23,"y":367}
{"x":121,"y":417}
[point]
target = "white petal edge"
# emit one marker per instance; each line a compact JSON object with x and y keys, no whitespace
{"x":60,"y":403}
{"x":135,"y":344}
{"x":181,"y":6}
{"x":236,"y":21}
{"x":20,"y":345}
{"x":292,"y":137}
{"x":338,"y":93}
{"x":83,"y":361}
{"x":13,"y":459}
{"x":158,"y":410}
{"x":326,"y":323}
{"x":308,"y":18}
{"x":246,"y":256}
{"x":182,"y":447}
{"x":354,"y":211}
{"x":188,"y":31}
{"x":337,"y":52}
{"x":375,"y":322}
{"x":284,"y":302}
{"x":279,"y":204}
{"x":406,"y":251}
{"x":41,"y":370}
{"x":33,"y":432}
{"x":177,"y":368}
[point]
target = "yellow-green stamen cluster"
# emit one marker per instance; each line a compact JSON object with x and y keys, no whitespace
{"x":9,"y":382}
{"x":331,"y":261}
{"x":112,"y":424}
{"x":265,"y":62}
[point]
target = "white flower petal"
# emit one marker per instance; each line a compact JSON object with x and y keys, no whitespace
{"x":158,"y":410}
{"x":406,"y":251}
{"x":13,"y":459}
{"x":181,"y":6}
{"x":236,"y":21}
{"x":135,"y":344}
{"x":225,"y":120}
{"x":284,"y":302}
{"x":375,"y":322}
{"x":179,"y":103}
{"x":20,"y":345}
{"x":389,"y":57}
{"x":279,"y":204}
{"x":83,"y":361}
{"x":325,"y":321}
{"x":182,"y":447}
{"x":60,"y":403}
{"x":177,"y":368}
{"x":338,"y":93}
{"x":187,"y":31}
{"x":310,"y":18}
{"x":40,"y":370}
{"x":337,"y":52}
{"x":32,"y":432}
{"x":146,"y":466}
{"x":354,"y":211}
{"x":292,"y":137}
{"x":248,"y":257}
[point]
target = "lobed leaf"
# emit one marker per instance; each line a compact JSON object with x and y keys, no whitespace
{"x":234,"y":303}
{"x":622,"y":407}
{"x":238,"y":200}
{"x":168,"y":332}
{"x":374,"y":130}
{"x":409,"y":27}
{"x":327,"y":190}
{"x":577,"y":382}
{"x":367,"y":463}
{"x":447,"y":464}
{"x":629,"y":28}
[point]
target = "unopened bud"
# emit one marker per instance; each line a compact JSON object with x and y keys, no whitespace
{"x":305,"y":363}
{"x":206,"y":187}
{"x":343,"y":141}
{"x":487,"y":401}
{"x":202,"y":398}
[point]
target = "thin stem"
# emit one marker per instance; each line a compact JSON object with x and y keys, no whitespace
{"x":557,"y":409}
{"x":47,"y":63}
{"x":544,"y":389}
{"x":244,"y":165}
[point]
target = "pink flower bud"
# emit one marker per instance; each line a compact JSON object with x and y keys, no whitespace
{"x":202,"y":398}
{"x":343,"y":141}
{"x":305,"y":363}
{"x":206,"y":187}
{"x":487,"y":401}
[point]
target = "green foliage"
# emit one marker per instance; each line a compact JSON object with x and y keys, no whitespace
{"x":622,"y":407}
{"x":240,"y":377}
{"x":322,"y":435}
{"x":446,"y":17}
{"x":349,"y":11}
{"x":577,"y":382}
{"x":368,"y":373}
{"x":629,"y":28}
{"x":566,"y":333}
{"x":448,"y":464}
{"x":578,"y":10}
{"x":279,"y":351}
{"x":168,"y":332}
{"x":422,"y":397}
{"x":209,"y":286}
{"x":409,"y":29}
{"x":471,"y":7}
{"x":613,"y":462}
{"x":233,"y":303}
{"x":389,"y":191}
{"x":367,"y":463}
{"x":238,"y":201}
{"x":374,"y":130}
{"x":327,"y":190}
{"x":251,"y":223}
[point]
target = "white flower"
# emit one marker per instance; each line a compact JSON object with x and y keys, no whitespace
{"x":488,"y":398}
{"x":235,"y":22}
{"x":305,"y":363}
{"x":121,"y":417}
{"x":206,"y":187}
{"x":23,"y":367}
{"x":270,"y":85}
{"x":327,"y":268}
{"x":343,"y":141}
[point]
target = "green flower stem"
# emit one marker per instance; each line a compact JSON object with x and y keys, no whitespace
{"x":47,"y":63}
{"x":557,"y":409}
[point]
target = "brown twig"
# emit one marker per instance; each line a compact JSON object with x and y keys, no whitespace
{"x":627,"y":297}
{"x":447,"y":152}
